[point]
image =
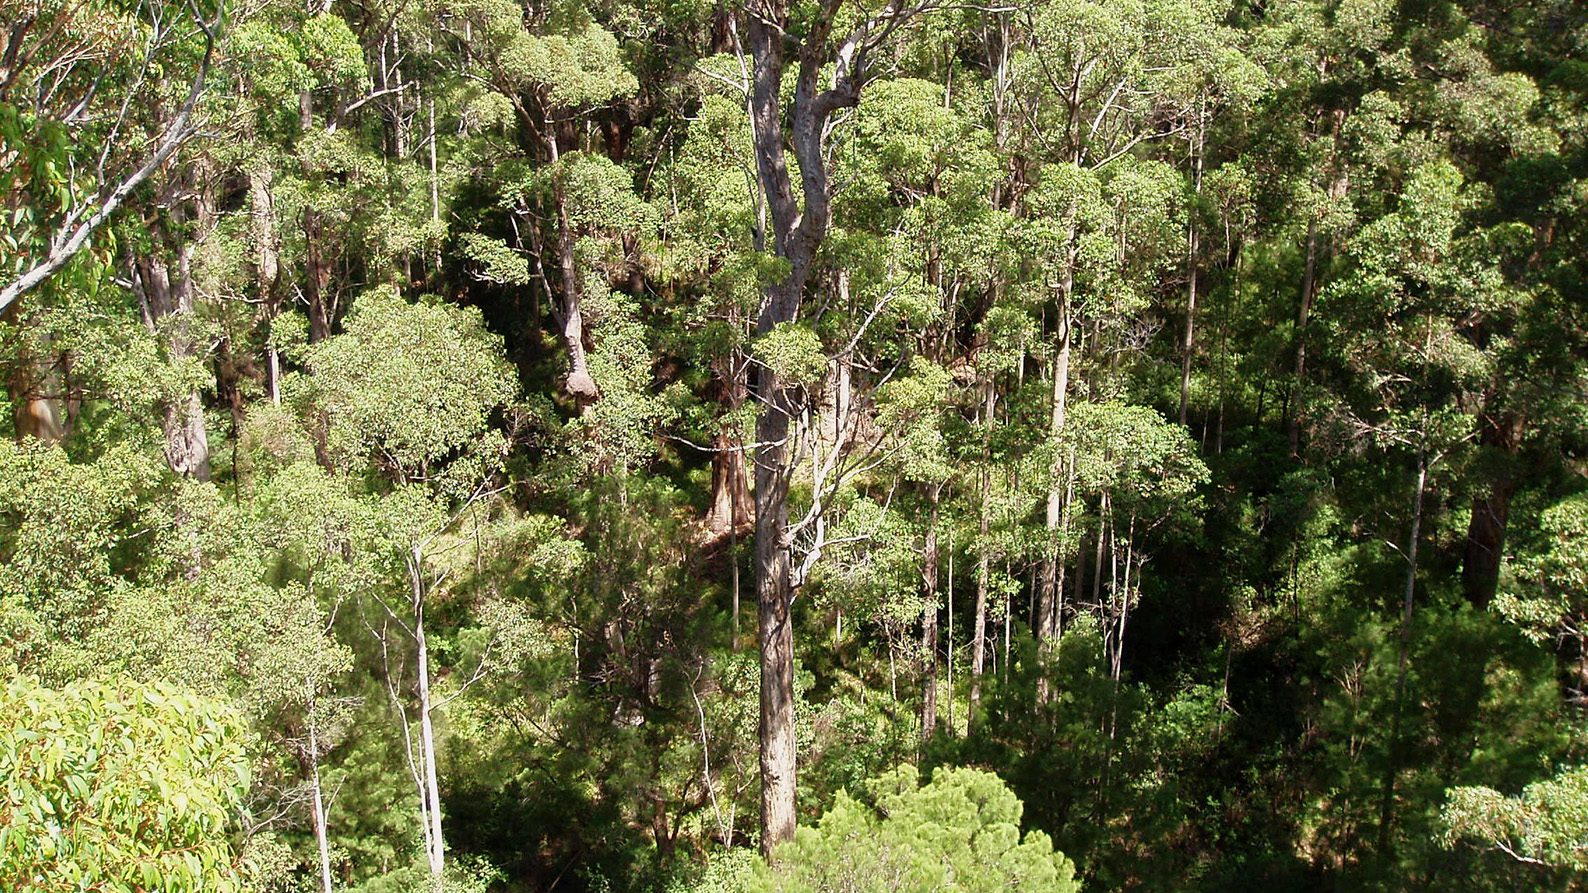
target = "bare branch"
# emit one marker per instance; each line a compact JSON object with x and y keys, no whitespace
{"x":68,"y":241}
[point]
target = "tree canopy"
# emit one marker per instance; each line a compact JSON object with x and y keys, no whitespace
{"x":498,"y":446}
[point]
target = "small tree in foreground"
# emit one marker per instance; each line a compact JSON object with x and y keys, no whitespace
{"x":958,"y":833}
{"x":121,"y":787}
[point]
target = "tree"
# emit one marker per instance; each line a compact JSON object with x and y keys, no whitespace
{"x":64,"y":79}
{"x":136,"y":787}
{"x":1546,"y":589}
{"x":800,"y":223}
{"x":959,"y":831}
{"x":1544,"y":826}
{"x":427,"y":433}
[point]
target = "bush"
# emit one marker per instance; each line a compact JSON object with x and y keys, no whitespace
{"x":958,"y":834}
{"x":118,"y":787}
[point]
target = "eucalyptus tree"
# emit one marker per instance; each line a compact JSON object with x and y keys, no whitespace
{"x":545,"y":71}
{"x":409,"y":389}
{"x":711,"y":227}
{"x":803,"y":40}
{"x":93,"y":116}
{"x":1143,"y":473}
{"x":90,"y":118}
{"x":1418,"y":279}
{"x":1101,"y":81}
{"x":913,"y":225}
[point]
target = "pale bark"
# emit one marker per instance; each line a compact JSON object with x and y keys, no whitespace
{"x":267,"y":264}
{"x":1408,"y":604}
{"x":1188,"y":344}
{"x":317,"y":806}
{"x":978,"y":642}
{"x":1303,"y":316}
{"x":1051,"y":580}
{"x":1338,"y":185}
{"x":166,"y":296}
{"x":580,"y":384}
{"x":430,"y":789}
{"x":72,"y":237}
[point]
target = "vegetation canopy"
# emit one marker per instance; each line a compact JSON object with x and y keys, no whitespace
{"x":668,"y":446}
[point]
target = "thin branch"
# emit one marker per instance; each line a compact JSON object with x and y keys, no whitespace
{"x":68,"y":241}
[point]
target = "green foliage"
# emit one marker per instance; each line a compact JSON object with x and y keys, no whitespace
{"x":960,"y":831}
{"x":118,"y":786}
{"x":793,"y":352}
{"x":1546,"y":597}
{"x":1131,"y":452}
{"x":64,"y":522}
{"x":1355,"y":226}
{"x":1546,"y":824}
{"x":409,"y":383}
{"x":498,"y":262}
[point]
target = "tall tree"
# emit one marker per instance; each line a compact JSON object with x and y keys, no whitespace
{"x":803,"y":41}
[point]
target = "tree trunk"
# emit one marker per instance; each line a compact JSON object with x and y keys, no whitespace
{"x":267,"y":268}
{"x":730,"y":488}
{"x":430,"y":792}
{"x":317,"y":807}
{"x":929,"y":590}
{"x":1408,"y":603}
{"x":775,"y":597}
{"x":41,"y":406}
{"x":580,"y":385}
{"x":1188,"y":345}
{"x":1338,"y":185}
{"x":799,"y":226}
{"x":978,"y":642}
{"x":1491,"y":510}
{"x":1308,"y":285}
{"x":166,"y":296}
{"x":317,"y":277}
{"x":1047,"y":606}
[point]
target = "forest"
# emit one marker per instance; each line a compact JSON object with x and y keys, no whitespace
{"x":692,"y":446}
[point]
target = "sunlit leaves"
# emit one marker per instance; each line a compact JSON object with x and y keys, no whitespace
{"x":119,"y":786}
{"x":1546,"y":824}
{"x":412,"y":382}
{"x":1548,"y":595}
{"x":793,"y":352}
{"x":959,"y":832}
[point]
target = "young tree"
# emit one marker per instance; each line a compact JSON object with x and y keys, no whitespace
{"x":428,"y":434}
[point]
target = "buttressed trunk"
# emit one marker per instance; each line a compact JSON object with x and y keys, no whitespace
{"x":317,"y":278}
{"x":40,"y":403}
{"x":730,"y":486}
{"x":1052,"y":582}
{"x":730,"y":490}
{"x":581,"y":386}
{"x":267,"y":263}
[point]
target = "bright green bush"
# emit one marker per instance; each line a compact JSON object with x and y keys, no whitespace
{"x":118,"y":787}
{"x":960,"y":833}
